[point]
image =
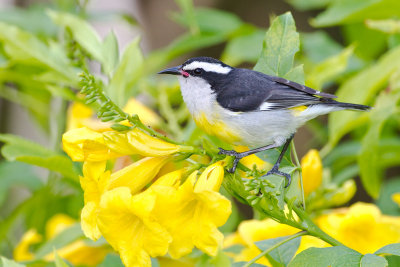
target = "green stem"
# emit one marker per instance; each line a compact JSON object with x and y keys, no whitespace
{"x":300,"y":173}
{"x":265,"y":252}
{"x":313,"y":229}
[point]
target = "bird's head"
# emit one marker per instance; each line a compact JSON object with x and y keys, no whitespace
{"x":205,"y":68}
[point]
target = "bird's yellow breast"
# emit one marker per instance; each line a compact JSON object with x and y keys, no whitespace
{"x":216,"y":127}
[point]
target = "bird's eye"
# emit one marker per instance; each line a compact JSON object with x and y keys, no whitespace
{"x":198,"y":71}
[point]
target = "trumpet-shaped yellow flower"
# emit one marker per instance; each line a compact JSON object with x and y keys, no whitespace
{"x":77,"y":252}
{"x":136,"y":141}
{"x":251,"y":161}
{"x":192,"y":212}
{"x":361,"y":227}
{"x":80,"y":115}
{"x":96,"y":181}
{"x":126,"y":223}
{"x":83,"y":144}
{"x":21,"y":251}
{"x":252,"y":231}
{"x":311,"y":166}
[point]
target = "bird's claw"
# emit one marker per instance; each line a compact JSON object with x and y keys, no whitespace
{"x":275,"y":170}
{"x":232,"y":153}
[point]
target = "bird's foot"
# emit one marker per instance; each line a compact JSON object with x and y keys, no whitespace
{"x":232,"y":153}
{"x":275,"y":170}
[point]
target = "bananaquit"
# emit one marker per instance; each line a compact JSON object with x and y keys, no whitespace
{"x":246,"y":107}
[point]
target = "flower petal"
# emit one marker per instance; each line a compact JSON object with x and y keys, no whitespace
{"x":89,"y":221}
{"x":125,"y":223}
{"x":137,"y":175}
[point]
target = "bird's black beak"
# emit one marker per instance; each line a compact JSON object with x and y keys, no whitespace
{"x":174,"y":70}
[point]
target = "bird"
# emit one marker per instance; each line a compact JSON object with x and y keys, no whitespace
{"x":246,"y":107}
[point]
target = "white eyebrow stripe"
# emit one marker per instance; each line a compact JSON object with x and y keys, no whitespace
{"x":212,"y":67}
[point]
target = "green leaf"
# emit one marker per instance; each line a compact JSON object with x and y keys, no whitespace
{"x":213,"y":21}
{"x":351,"y":11}
{"x":385,"y":202}
{"x":391,"y":249}
{"x":16,"y":174}
{"x":390,"y":26}
{"x":24,"y":47}
{"x":58,"y":260}
{"x":82,"y":32}
{"x":368,"y":159}
{"x":318,"y":46}
{"x":371,"y":260}
{"x":64,"y":238}
{"x":4,"y":262}
{"x":184,"y":44}
{"x":243,"y":48}
{"x":280,"y":45}
{"x":30,"y":19}
{"x":361,"y":89}
{"x":188,"y":15}
{"x":282,"y":254}
{"x":111,"y":260}
{"x":296,"y":74}
{"x":328,"y":69}
{"x":360,"y":36}
{"x":20,"y":149}
{"x":220,"y":260}
{"x":309,"y":4}
{"x":333,"y":256}
{"x":127,"y":73}
{"x":110,"y":53}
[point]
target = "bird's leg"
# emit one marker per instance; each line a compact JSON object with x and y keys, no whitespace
{"x":275,"y":168}
{"x":241,"y":155}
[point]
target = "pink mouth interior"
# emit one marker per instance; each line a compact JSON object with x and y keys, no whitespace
{"x":184,"y":73}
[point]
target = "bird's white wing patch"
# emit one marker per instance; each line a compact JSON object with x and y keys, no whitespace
{"x":266,"y":106}
{"x":212,"y":67}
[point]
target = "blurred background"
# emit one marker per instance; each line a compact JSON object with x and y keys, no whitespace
{"x":346,"y":48}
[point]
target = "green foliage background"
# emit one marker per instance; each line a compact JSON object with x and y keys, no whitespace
{"x":44,"y":48}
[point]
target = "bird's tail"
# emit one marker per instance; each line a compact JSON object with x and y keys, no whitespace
{"x":347,"y":105}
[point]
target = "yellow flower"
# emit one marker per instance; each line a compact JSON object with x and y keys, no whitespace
{"x":96,"y":181}
{"x":77,"y":252}
{"x":83,"y":144}
{"x":146,"y":115}
{"x":252,"y":231}
{"x":396,"y":198}
{"x":311,"y":166}
{"x":21,"y":251}
{"x":126,"y":223}
{"x":136,"y":141}
{"x":57,"y":224}
{"x":361,"y":227}
{"x":80,"y":115}
{"x":251,"y":161}
{"x":192,"y":212}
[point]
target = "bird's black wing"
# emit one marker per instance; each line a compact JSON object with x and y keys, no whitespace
{"x":247,"y":90}
{"x":299,"y":87}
